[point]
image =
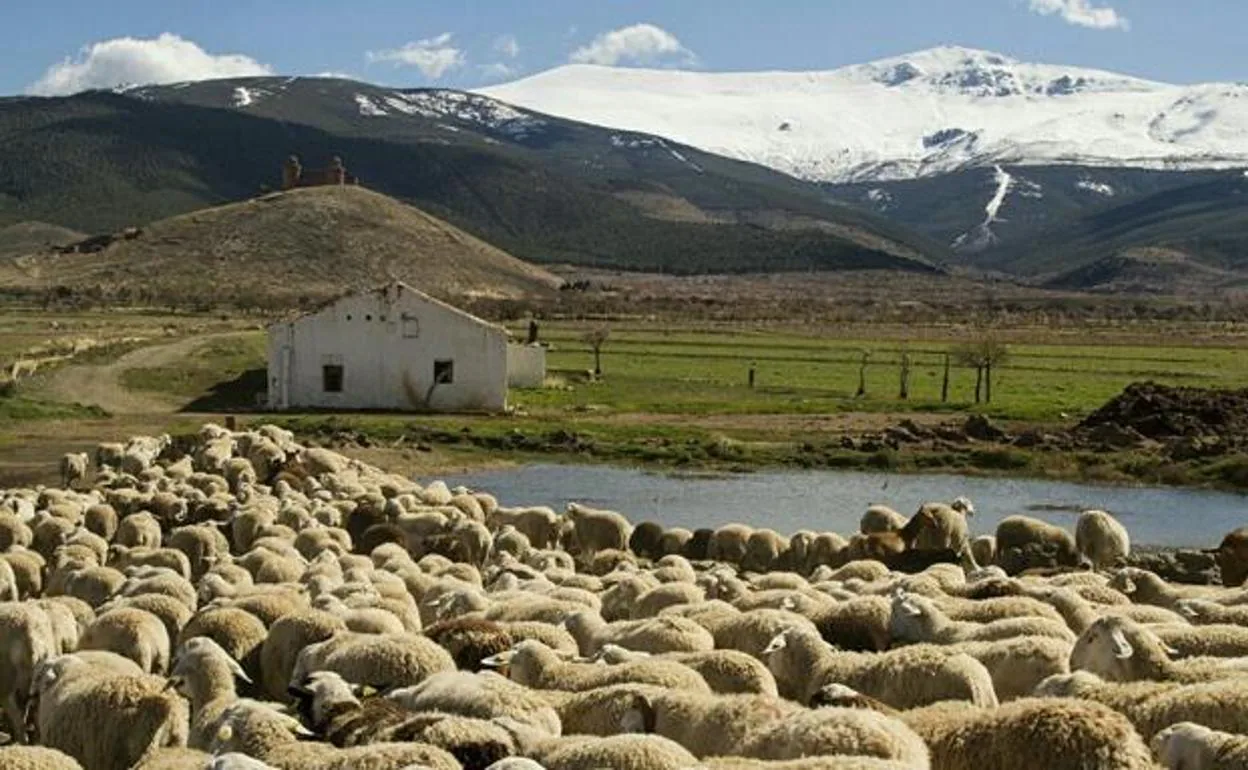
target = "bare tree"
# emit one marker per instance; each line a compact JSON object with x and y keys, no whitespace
{"x":944,"y":383}
{"x":984,"y":354}
{"x":904,"y":393}
{"x":596,"y":338}
{"x":862,"y":374}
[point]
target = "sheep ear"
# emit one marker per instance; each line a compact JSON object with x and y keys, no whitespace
{"x":298,"y":692}
{"x":1122,"y":648}
{"x":910,"y":608}
{"x":1128,"y":585}
{"x":788,"y":603}
{"x":640,"y":717}
{"x":779,"y":642}
{"x":499,"y":660}
{"x":1186,"y":609}
{"x":238,"y":671}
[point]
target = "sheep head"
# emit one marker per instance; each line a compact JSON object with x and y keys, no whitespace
{"x":639,"y":717}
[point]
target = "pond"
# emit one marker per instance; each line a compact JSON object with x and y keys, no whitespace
{"x":834,"y":500}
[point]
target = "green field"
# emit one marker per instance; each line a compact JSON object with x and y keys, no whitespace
{"x":706,"y":373}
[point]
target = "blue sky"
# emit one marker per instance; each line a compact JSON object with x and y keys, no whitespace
{"x":472,"y":42}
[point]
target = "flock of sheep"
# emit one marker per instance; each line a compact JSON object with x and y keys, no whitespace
{"x":238,"y":601}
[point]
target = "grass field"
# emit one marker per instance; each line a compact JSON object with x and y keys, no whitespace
{"x":671,"y":397}
{"x":647,"y":370}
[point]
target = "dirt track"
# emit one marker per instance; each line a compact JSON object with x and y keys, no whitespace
{"x":100,"y":384}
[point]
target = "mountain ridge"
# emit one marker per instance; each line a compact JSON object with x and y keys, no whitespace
{"x":920,"y":114}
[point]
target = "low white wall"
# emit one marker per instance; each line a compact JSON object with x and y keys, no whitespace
{"x":526,"y":366}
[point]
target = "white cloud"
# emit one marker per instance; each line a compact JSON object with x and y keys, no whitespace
{"x":638,"y":44}
{"x":497,"y":71}
{"x":434,"y":56}
{"x":134,"y":61}
{"x":1081,"y":13}
{"x":507,"y":45}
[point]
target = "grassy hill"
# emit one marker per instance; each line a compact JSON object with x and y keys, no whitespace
{"x":543,"y":189}
{"x":307,"y":243}
{"x":1197,"y":233}
{"x":29,"y":237}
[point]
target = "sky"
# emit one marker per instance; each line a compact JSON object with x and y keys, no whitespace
{"x":72,"y":45}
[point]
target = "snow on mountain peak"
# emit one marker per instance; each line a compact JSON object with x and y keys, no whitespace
{"x":919,"y":114}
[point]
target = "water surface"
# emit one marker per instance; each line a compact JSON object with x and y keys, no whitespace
{"x":835,"y":500}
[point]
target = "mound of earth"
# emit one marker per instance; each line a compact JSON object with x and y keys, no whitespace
{"x":303,"y":244}
{"x":1163,"y":412}
{"x":33,"y":237}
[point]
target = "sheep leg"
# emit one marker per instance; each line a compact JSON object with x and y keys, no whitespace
{"x":16,"y":717}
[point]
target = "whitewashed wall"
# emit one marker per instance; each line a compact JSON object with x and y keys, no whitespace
{"x":526,"y":366}
{"x":387,"y":342}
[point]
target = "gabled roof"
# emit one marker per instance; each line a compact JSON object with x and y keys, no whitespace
{"x":399,"y":287}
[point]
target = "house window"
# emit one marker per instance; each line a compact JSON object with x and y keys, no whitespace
{"x":411,"y":325}
{"x":331,"y":378}
{"x":443,"y":372}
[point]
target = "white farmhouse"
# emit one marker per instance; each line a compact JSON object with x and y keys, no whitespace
{"x":391,"y":348}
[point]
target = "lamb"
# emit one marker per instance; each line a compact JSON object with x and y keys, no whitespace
{"x":1101,"y":539}
{"x":131,"y":633}
{"x":1189,"y":746}
{"x":918,"y":619}
{"x":727,"y":672}
{"x":802,"y":663}
{"x":661,"y":634}
{"x":73,"y":468}
{"x":393,"y":660}
{"x":533,"y":664}
{"x":1075,"y":734}
{"x":597,"y":530}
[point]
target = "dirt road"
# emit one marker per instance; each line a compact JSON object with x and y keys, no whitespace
{"x":100,"y":384}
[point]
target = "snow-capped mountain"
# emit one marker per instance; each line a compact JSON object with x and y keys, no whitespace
{"x":914,"y":116}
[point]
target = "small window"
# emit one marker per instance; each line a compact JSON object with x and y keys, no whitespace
{"x":368,"y":317}
{"x":331,"y":378}
{"x":443,"y":372}
{"x":411,"y":325}
{"x":348,"y":316}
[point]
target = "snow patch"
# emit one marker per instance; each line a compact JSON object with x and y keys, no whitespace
{"x":982,"y":236}
{"x":368,"y":107}
{"x":1100,"y":188}
{"x":920,"y":115}
{"x":469,"y":108}
{"x":638,"y":142}
{"x":881,"y":198}
{"x":245,"y":97}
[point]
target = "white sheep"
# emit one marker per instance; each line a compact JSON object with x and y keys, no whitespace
{"x":661,"y":634}
{"x":73,"y":468}
{"x":1101,"y":539}
{"x":918,"y":619}
{"x":1189,"y":746}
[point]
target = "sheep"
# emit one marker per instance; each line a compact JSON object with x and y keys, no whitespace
{"x":597,"y":530}
{"x":239,"y":634}
{"x":1154,"y":706}
{"x":857,"y":625}
{"x":1016,"y":665}
{"x":728,"y":543}
{"x":1214,"y":639}
{"x":194,"y":759}
{"x":36,"y":758}
{"x":831,"y":731}
{"x":802,"y":663}
{"x":1119,"y":649}
{"x":764,"y":548}
{"x":727,"y":672}
{"x":205,"y":674}
{"x":1189,"y":746}
{"x":654,"y":601}
{"x":26,"y":635}
{"x":123,"y":558}
{"x":286,"y":638}
{"x":333,"y":710}
{"x":469,"y":640}
{"x":618,"y":752}
{"x":1016,"y":533}
{"x":984,"y":549}
{"x":556,"y":638}
{"x":107,"y":722}
{"x":918,"y":619}
{"x":661,"y":634}
{"x":1101,"y":539}
{"x":751,"y":632}
{"x":533,"y":664}
{"x":937,"y":527}
{"x":880,"y":518}
{"x":379,"y":659}
{"x":270,"y":736}
{"x":138,"y":529}
{"x":73,"y":468}
{"x":131,"y":633}
{"x":1232,"y":557}
{"x":537,"y":524}
{"x":484,"y":695}
{"x":1039,"y":733}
